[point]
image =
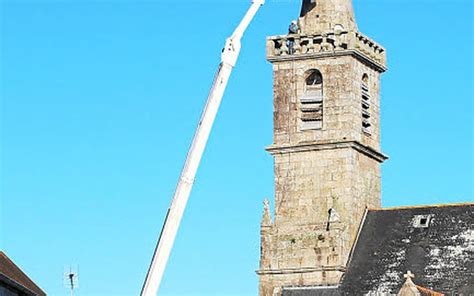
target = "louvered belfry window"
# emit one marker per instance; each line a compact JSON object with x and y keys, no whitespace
{"x":311,"y":103}
{"x":366,"y":116}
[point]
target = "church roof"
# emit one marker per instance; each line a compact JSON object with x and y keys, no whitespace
{"x":428,"y":292}
{"x":13,"y":276}
{"x":311,"y":291}
{"x":436,"y":243}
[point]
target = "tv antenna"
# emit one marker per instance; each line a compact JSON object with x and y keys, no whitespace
{"x":71,"y":278}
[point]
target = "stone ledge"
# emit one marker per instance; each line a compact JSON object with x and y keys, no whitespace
{"x":301,"y":270}
{"x":348,"y":52}
{"x":366,"y":150}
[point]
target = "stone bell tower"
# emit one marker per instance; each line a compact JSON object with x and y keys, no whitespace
{"x":326,"y":146}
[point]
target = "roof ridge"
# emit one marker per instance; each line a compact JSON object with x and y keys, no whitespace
{"x":423,"y":206}
{"x":428,"y":292}
{"x":22,"y":273}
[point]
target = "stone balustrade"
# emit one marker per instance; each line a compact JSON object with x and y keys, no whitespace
{"x":296,"y":45}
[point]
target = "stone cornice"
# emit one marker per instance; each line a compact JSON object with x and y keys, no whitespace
{"x":301,"y":270}
{"x":366,"y":150}
{"x":348,"y":52}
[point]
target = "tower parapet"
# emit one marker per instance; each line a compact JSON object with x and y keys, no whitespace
{"x":304,"y":46}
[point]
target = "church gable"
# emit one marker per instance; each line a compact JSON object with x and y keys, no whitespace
{"x":435,"y":243}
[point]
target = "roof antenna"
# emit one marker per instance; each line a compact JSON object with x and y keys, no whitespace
{"x":71,"y":278}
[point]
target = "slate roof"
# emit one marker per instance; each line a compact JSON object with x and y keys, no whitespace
{"x":12,"y":276}
{"x":392,"y":241}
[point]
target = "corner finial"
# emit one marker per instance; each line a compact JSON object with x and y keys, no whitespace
{"x":267,"y":216}
{"x":409,"y":275}
{"x":409,"y":288}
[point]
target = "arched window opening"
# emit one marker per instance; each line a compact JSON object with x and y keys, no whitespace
{"x":366,"y":116}
{"x":311,"y":103}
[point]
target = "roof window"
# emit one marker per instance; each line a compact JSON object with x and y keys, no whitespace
{"x":422,"y":221}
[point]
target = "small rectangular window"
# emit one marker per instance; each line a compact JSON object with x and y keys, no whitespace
{"x":422,"y":221}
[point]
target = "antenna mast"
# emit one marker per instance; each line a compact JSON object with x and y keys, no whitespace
{"x":71,"y":278}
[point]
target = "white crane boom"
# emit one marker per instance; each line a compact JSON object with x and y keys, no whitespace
{"x":229,"y":57}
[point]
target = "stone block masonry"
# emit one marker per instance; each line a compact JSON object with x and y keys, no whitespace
{"x":326,"y":147}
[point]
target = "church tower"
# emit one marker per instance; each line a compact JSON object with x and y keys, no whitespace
{"x":326,"y":146}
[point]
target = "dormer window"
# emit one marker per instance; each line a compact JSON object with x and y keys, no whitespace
{"x":422,"y":221}
{"x":311,"y":103}
{"x":366,"y":108}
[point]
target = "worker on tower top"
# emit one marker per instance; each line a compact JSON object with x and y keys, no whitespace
{"x":294,"y":28}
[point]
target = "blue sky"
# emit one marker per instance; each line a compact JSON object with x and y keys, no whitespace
{"x":99,"y":101}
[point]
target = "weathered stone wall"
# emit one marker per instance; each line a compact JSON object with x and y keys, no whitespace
{"x":342,"y":77}
{"x":327,"y":167}
{"x":336,"y":167}
{"x":327,"y":15}
{"x":304,"y":246}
